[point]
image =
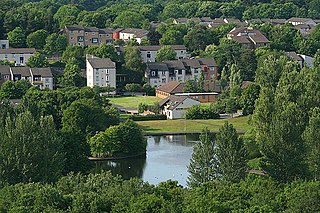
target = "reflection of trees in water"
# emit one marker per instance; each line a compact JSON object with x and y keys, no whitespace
{"x":127,"y":168}
{"x":157,"y":139}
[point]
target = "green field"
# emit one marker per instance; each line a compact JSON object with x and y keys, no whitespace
{"x":133,"y":101}
{"x":182,"y":125}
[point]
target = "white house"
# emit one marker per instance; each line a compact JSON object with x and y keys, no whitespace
{"x":130,"y":33}
{"x":175,"y":107}
{"x":19,"y":56}
{"x":101,"y":72}
{"x":298,"y":21}
{"x":42,"y":77}
{"x":148,"y":53}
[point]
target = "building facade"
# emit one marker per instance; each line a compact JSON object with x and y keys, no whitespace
{"x":19,"y":56}
{"x":101,"y":72}
{"x":148,"y":53}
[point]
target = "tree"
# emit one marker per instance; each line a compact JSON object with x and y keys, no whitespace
{"x":71,"y":75}
{"x":30,"y":154}
{"x":166,"y":53}
{"x":38,"y":60}
{"x":235,"y":82}
{"x":129,"y":19}
{"x":132,"y":88}
{"x":75,"y":52}
{"x":248,"y":97}
{"x":316,"y":59}
{"x":133,"y":62}
{"x":37,"y":39}
{"x":231,"y":153}
{"x":17,"y":38}
{"x":15,"y":90}
{"x":66,"y":14}
{"x":55,"y":44}
{"x":311,"y":136}
{"x":198,"y":38}
{"x":123,"y":140}
{"x":106,"y":51}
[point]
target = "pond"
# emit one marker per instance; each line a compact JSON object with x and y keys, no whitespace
{"x":167,"y":158}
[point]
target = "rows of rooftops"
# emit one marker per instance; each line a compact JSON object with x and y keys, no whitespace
{"x":25,"y":71}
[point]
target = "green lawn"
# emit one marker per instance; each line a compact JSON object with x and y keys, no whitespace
{"x":182,"y":125}
{"x":133,"y":101}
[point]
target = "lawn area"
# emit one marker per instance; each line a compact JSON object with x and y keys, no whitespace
{"x":133,"y":101}
{"x":182,"y":125}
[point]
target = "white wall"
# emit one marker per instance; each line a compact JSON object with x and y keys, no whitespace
{"x":16,"y":58}
{"x":180,"y":111}
{"x":100,"y":77}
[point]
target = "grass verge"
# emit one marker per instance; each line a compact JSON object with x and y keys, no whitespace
{"x":133,"y":101}
{"x":182,"y":125}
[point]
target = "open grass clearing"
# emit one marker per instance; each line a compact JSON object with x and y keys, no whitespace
{"x":133,"y":101}
{"x":182,"y":125}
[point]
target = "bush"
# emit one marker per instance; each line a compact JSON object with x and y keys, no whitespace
{"x":147,"y":117}
{"x":202,"y":112}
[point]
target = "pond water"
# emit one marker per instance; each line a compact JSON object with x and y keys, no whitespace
{"x":167,"y":158}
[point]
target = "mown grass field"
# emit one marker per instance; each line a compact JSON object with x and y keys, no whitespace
{"x":133,"y":101}
{"x":182,"y":125}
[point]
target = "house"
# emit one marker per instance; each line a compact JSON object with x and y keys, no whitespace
{"x":4,"y":73}
{"x":87,"y":36}
{"x":234,"y":21}
{"x":19,"y":56}
{"x":304,"y":29}
{"x":202,"y":97}
{"x":193,"y":68}
{"x":4,"y":44}
{"x":249,"y":37}
{"x":42,"y":77}
{"x":298,"y":21}
{"x":148,"y":53}
{"x":175,"y":107}
{"x":177,"y":71}
{"x":169,"y":88}
{"x":301,"y":59}
{"x":101,"y":72}
{"x":130,"y":33}
{"x":20,"y":73}
{"x":157,"y":74}
{"x":209,"y":68}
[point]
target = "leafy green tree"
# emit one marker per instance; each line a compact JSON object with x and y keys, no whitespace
{"x":129,"y":19}
{"x":149,"y":90}
{"x":55,"y":44}
{"x":17,"y":38}
{"x":235,"y":82}
{"x":71,"y":75}
{"x":142,"y":107}
{"x":283,"y":37}
{"x":311,"y":136}
{"x":66,"y":14}
{"x":76,"y":53}
{"x":37,"y":39}
{"x":231,"y":153}
{"x":132,"y":88}
{"x":248,"y":97}
{"x":38,"y":60}
{"x":172,"y":37}
{"x":203,"y":164}
{"x":316,"y":59}
{"x":166,"y":53}
{"x":15,"y":90}
{"x":133,"y":62}
{"x":198,"y":38}
{"x":30,"y":154}
{"x":171,"y":11}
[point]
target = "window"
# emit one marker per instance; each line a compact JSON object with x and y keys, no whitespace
{"x":86,"y":33}
{"x":71,"y":38}
{"x":211,"y":68}
{"x":181,"y":51}
{"x":148,"y":55}
{"x":5,"y":56}
{"x":153,"y":73}
{"x":180,"y":72}
{"x":6,"y":77}
{"x":71,"y":32}
{"x":21,"y":60}
{"x":107,"y":78}
{"x":203,"y":97}
{"x":94,"y":40}
{"x":93,"y":33}
{"x":3,"y":46}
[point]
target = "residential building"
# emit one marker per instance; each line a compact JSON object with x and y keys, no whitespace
{"x":301,"y":59}
{"x":101,"y":72}
{"x":4,"y":44}
{"x":148,"y":53}
{"x":4,"y":73}
{"x":87,"y":36}
{"x":249,"y":37}
{"x":159,"y":73}
{"x":42,"y":77}
{"x":169,"y":88}
{"x":130,"y":33}
{"x":202,"y":97}
{"x":299,"y":21}
{"x":175,"y":107}
{"x":19,"y":56}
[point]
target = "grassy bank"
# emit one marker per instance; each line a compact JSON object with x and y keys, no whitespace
{"x":182,"y":125}
{"x":133,"y":101}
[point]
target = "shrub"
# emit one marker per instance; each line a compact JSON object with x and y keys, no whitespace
{"x":202,"y":112}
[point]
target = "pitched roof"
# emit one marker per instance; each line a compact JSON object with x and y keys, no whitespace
{"x":175,"y":64}
{"x":192,"y":63}
{"x":172,"y":87}
{"x":259,"y":39}
{"x":173,"y":101}
{"x":135,"y":31}
{"x":241,"y":39}
{"x":295,"y":19}
{"x":207,"y":61}
{"x":206,"y":19}
{"x":157,"y":66}
{"x":17,"y":50}
{"x":4,"y":70}
{"x":44,"y":72}
{"x":106,"y":31}
{"x":23,"y":71}
{"x":294,"y":56}
{"x":157,"y":47}
{"x":98,"y":63}
{"x":91,"y":29}
{"x":74,"y":27}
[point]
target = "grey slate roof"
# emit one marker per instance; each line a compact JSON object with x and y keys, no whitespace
{"x":173,"y":101}
{"x":157,"y":47}
{"x":98,"y":63}
{"x":192,"y":63}
{"x":207,"y":61}
{"x":294,"y":56}
{"x":172,"y":87}
{"x":178,"y":65}
{"x":74,"y":27}
{"x":157,"y":66}
{"x":4,"y":70}
{"x":44,"y":72}
{"x":17,"y":50}
{"x":23,"y":71}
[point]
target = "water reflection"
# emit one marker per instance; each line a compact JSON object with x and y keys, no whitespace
{"x":167,"y":158}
